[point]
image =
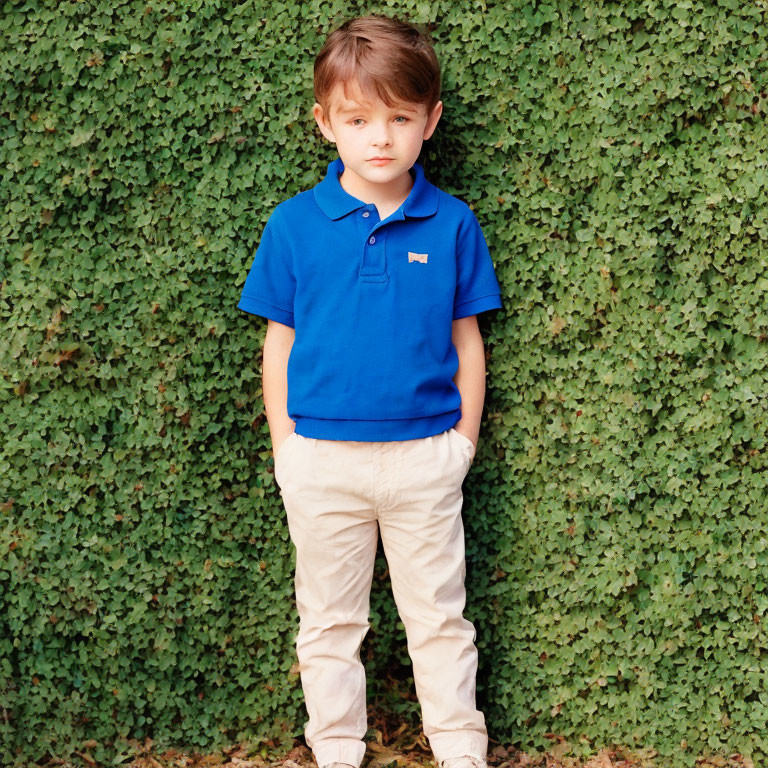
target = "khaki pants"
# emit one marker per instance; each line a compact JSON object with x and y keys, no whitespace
{"x":335,"y":492}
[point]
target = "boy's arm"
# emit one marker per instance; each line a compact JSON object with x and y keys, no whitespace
{"x":274,"y":370}
{"x":470,"y":377}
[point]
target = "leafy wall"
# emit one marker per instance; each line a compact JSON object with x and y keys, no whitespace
{"x":616,"y":156}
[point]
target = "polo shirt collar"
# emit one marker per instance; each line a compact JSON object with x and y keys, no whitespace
{"x":336,"y":202}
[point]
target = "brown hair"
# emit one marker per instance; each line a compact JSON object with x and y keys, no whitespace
{"x":389,"y":58}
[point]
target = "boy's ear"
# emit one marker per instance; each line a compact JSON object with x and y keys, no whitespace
{"x":322,"y":123}
{"x":432,"y":120}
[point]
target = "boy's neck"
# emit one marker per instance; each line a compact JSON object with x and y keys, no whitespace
{"x":387,"y":196}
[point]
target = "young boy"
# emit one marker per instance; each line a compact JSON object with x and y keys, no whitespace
{"x":374,"y":381}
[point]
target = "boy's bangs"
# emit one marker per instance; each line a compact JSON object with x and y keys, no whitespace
{"x":364,"y":87}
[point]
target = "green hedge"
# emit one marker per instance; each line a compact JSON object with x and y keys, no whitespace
{"x":616,"y":512}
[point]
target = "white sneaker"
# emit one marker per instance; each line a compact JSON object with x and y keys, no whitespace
{"x":464,"y":761}
{"x":338,"y":765}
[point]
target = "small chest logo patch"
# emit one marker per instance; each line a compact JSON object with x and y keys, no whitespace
{"x":422,"y":257}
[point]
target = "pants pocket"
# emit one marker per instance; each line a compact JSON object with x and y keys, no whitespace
{"x":282,"y":453}
{"x":469,"y":446}
{"x":464,"y":446}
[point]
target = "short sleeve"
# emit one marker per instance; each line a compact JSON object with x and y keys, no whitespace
{"x":477,"y":288}
{"x":270,"y":284}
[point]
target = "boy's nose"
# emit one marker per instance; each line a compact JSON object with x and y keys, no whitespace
{"x":381,"y":137}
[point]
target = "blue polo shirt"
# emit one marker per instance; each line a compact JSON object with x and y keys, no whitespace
{"x":371,"y":302}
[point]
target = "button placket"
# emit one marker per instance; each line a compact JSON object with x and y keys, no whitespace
{"x":373,"y":267}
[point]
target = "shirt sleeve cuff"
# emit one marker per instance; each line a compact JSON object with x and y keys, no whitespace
{"x":472,"y":307}
{"x":263,"y":309}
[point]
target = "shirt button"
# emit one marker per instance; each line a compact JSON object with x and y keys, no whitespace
{"x":372,"y":240}
{"x":366,"y":214}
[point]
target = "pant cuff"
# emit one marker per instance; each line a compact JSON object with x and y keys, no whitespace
{"x":448,"y":744}
{"x":350,"y":751}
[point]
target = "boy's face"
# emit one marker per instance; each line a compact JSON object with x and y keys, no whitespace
{"x":363,"y":130}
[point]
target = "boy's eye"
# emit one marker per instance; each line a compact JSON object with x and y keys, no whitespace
{"x":399,"y":117}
